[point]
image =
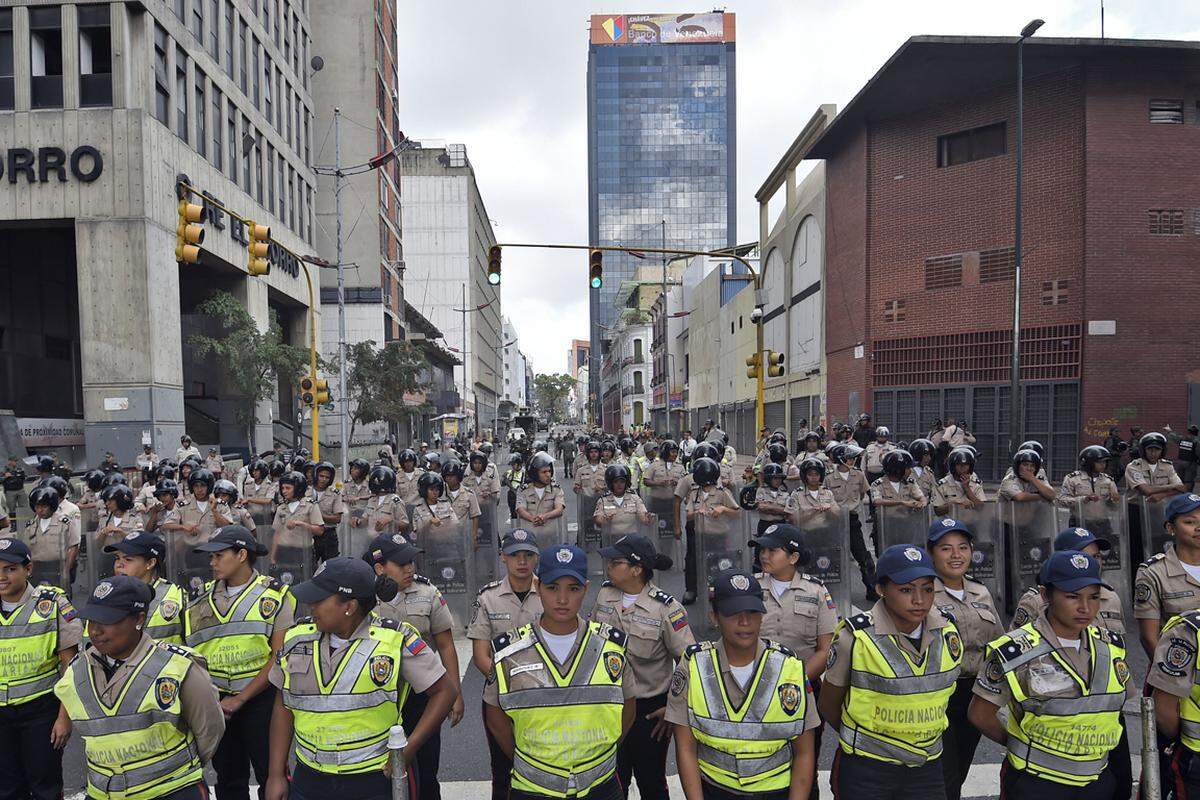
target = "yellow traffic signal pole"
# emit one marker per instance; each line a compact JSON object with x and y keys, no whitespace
{"x":755,"y":274}
{"x":312,"y":316}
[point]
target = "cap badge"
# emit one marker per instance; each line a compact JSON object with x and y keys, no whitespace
{"x":563,"y":556}
{"x":5,"y":544}
{"x":1079,"y":561}
{"x":1081,"y":533}
{"x":771,"y":529}
{"x":133,"y":535}
{"x":740,"y":582}
{"x":103,"y":590}
{"x":398,"y":539}
{"x":1195,"y":498}
{"x":912,"y":554}
{"x":948,"y":523}
{"x":520,"y":535}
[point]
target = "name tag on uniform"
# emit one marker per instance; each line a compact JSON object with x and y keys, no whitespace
{"x":525,"y":668}
{"x":1177,"y":595}
{"x":408,"y":601}
{"x":657,"y":623}
{"x":605,"y":609}
{"x":984,"y":606}
{"x":806,"y":599}
{"x":499,"y":616}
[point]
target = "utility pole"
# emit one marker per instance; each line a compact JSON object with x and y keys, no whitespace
{"x":464,"y":353}
{"x":343,"y":400}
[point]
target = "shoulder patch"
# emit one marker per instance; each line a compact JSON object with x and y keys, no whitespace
{"x":173,"y":648}
{"x":275,"y":583}
{"x":1112,"y":637}
{"x":860,"y":622}
{"x":49,"y":592}
{"x":948,"y":613}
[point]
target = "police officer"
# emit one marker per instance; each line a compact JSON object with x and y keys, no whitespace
{"x":228,"y":511}
{"x":742,"y":710}
{"x":146,"y":710}
{"x":1168,"y":584}
{"x":960,"y":487}
{"x":297,"y":522}
{"x":53,"y":539}
{"x":705,"y":497}
{"x":812,"y":503}
{"x":896,"y":487}
{"x":873,"y":453}
{"x":1110,"y":616}
{"x":465,"y":502}
{"x":144,"y":501}
{"x":1025,"y":481}
{"x":341,"y":727}
{"x":237,"y":622}
{"x":39,"y":636}
{"x":541,"y":501}
{"x":432,"y":509}
{"x":1176,"y":686}
{"x":665,"y":471}
{"x":968,"y":602}
{"x":12,"y":479}
{"x":1090,"y":483}
{"x":407,"y":476}
{"x":923,"y":452}
{"x":560,"y":749}
{"x":385,"y":511}
{"x":143,"y":556}
{"x":889,"y":680}
{"x":772,"y":498}
{"x":1063,"y":681}
{"x":328,"y":499}
{"x":186,"y":448}
{"x":165,"y":516}
{"x":355,"y":491}
{"x":482,"y":478}
{"x":849,"y":485}
{"x":509,"y":603}
{"x":590,"y":475}
{"x":1150,"y":475}
{"x":196,"y":514}
{"x":514,"y":477}
{"x":5,"y":520}
{"x":1188,"y":446}
{"x":620,"y":511}
{"x":214,"y":462}
{"x":657,"y":632}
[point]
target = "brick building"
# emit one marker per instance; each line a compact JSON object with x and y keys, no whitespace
{"x":919,"y":240}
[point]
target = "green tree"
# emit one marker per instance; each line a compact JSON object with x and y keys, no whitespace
{"x":379,"y":377}
{"x":551,"y":390}
{"x":254,"y":361}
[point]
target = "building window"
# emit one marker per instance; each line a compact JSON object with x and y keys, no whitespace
{"x":998,"y":265}
{"x":162,"y":86}
{"x":893,"y":311}
{"x":256,"y":154}
{"x":278,"y":14}
{"x":1054,"y":293}
{"x":229,"y":38}
{"x":1166,"y":112}
{"x":214,"y":29}
{"x":246,"y":144}
{"x":198,"y":21}
{"x":279,"y":88}
{"x":45,"y":57}
{"x":287,"y":95}
{"x":7,"y":89}
{"x":287,"y":42}
{"x":231,"y":129}
{"x":218,"y":157}
{"x":181,"y":10}
{"x":267,"y":73}
{"x":296,"y":49}
{"x":291,"y":198}
{"x":943,"y":272}
{"x":282,"y":189}
{"x":181,"y":98}
{"x":95,"y":56}
{"x":972,"y":145}
{"x":201,"y":112}
{"x":256,"y":74}
{"x":308,"y":212}
{"x":271,"y":179}
{"x":304,"y":64}
{"x":242,"y":57}
{"x":1166,"y":221}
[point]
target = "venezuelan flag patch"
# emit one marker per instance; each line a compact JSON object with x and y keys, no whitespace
{"x":678,"y":620}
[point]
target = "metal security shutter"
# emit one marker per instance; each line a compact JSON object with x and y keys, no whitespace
{"x":775,"y":415}
{"x":801,"y":408}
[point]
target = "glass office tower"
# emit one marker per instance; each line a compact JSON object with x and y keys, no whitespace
{"x":661,"y":145}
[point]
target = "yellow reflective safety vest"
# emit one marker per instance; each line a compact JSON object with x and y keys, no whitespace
{"x":565,"y":727}
{"x":342,"y":719}
{"x":29,"y":648}
{"x":235,"y":644}
{"x":1064,"y":739}
{"x":164,"y":623}
{"x":895,"y":708}
{"x":748,"y":749}
{"x":140,"y":748}
{"x":1189,"y":707}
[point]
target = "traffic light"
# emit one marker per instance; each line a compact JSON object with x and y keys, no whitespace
{"x":259,"y":246}
{"x":596,"y":268}
{"x":774,"y":364}
{"x":753,"y":363}
{"x":314,"y":391}
{"x":189,"y":232}
{"x":494,"y":265}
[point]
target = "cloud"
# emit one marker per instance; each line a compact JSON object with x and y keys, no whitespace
{"x":509,"y":80}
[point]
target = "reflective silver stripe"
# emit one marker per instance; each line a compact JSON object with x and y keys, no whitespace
{"x":859,"y":739}
{"x":543,"y":697}
{"x":353,"y":667}
{"x":232,"y":685}
{"x":1070,"y":706}
{"x":339,"y":758}
{"x":122,"y":781}
{"x":1189,"y":728}
{"x":337,"y":702}
{"x":1040,"y":649}
{"x":572,"y":783}
{"x":747,"y":731}
{"x":744,"y":767}
{"x":262,"y":628}
{"x":158,"y":632}
{"x":22,"y":690}
{"x":915,"y":684}
{"x":764,"y":689}
{"x":15,"y":631}
{"x":1068,"y":766}
{"x":101,"y":726}
{"x":713,"y":698}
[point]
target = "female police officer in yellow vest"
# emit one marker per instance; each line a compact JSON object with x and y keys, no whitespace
{"x":147,"y":711}
{"x":1063,"y":681}
{"x":556,"y":700}
{"x":889,"y":678}
{"x":38,"y":636}
{"x":742,"y":707}
{"x":142,"y":555}
{"x":342,"y":677}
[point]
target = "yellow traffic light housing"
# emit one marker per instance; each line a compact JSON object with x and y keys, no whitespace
{"x":494,"y":265}
{"x":258,"y":247}
{"x":753,"y":364}
{"x":774,"y":364}
{"x":189,"y":232}
{"x":314,"y":391}
{"x":596,"y":268}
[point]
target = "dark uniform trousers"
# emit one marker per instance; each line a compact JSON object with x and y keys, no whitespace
{"x":862,"y":556}
{"x":1017,"y":784}
{"x":501,"y":765}
{"x":609,"y":790}
{"x":862,"y":778}
{"x":711,"y":791}
{"x":308,"y":784}
{"x":643,"y":757}
{"x":325,"y":546}
{"x":245,"y":745}
{"x":689,"y":558}
{"x":960,"y":739}
{"x":1183,"y":775}
{"x":29,"y":766}
{"x":429,"y":757}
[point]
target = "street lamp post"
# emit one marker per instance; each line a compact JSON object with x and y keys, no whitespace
{"x":1016,"y":416}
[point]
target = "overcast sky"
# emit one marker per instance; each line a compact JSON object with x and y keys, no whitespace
{"x":509,"y":80}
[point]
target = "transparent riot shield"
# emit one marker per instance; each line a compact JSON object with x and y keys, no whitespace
{"x":353,"y":540}
{"x":51,"y":560}
{"x":100,"y":565}
{"x":987,"y":558}
{"x":448,"y":562}
{"x":721,"y":542}
{"x":1107,"y":521}
{"x":485,"y":562}
{"x":263,"y":517}
{"x":660,"y":501}
{"x":901,"y":525}
{"x":1151,"y":516}
{"x":587,"y":531}
{"x":553,"y":532}
{"x":1030,"y":529}
{"x":289,"y":554}
{"x":188,"y":569}
{"x":827,"y":537}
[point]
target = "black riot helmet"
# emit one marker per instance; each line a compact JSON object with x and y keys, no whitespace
{"x":896,"y":464}
{"x":94,"y":479}
{"x":960,"y":455}
{"x":325,"y":466}
{"x":708,"y":450}
{"x":259,"y":470}
{"x":772,"y":472}
{"x":1152,"y":439}
{"x":668,"y":447}
{"x":44,"y":495}
{"x":477,"y":457}
{"x":1026,"y":456}
{"x":166,"y":486}
{"x":381,"y":480}
{"x":626,"y":444}
{"x":777,"y":438}
{"x":297,"y":481}
{"x":537,"y":463}
{"x":430,"y":480}
{"x":593,"y":445}
{"x":487,"y":449}
{"x":776,"y":453}
{"x":1090,"y":456}
{"x":164,"y":470}
{"x":607,"y":446}
{"x":58,"y":484}
{"x":358,"y":467}
{"x":204,"y":476}
{"x":921,"y":448}
{"x":226,"y":488}
{"x":278,"y":469}
{"x":812,"y":464}
{"x":120,"y":494}
{"x":706,"y":472}
{"x":617,"y":472}
{"x":115,"y":478}
{"x":1035,"y":446}
{"x":454,"y":467}
{"x":407,"y":454}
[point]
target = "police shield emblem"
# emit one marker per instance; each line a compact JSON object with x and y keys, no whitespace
{"x":614,"y":663}
{"x":267,"y":607}
{"x":168,"y":609}
{"x":381,"y":669}
{"x":1122,"y":670}
{"x":954,"y":645}
{"x":165,"y":692}
{"x":44,"y":607}
{"x":789,"y":698}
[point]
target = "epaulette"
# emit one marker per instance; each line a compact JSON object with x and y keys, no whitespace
{"x":606,"y":584}
{"x":772,"y":645}
{"x":422,"y":579}
{"x":1154,"y":559}
{"x":491,"y":585}
{"x":49,"y":592}
{"x":949,"y":615}
{"x":387,"y":622}
{"x":180,"y":503}
{"x":698,"y":647}
{"x":615,"y":635}
{"x":274,"y":583}
{"x":65,"y":518}
{"x":1191,"y":618}
{"x":336,"y":490}
{"x":1073,"y":474}
{"x":1112,"y":637}
{"x":511,"y":642}
{"x":304,"y":621}
{"x":860,"y":622}
{"x":395,"y":498}
{"x":1018,"y":643}
{"x":178,"y":650}
{"x":662,"y":597}
{"x":812,"y":579}
{"x":29,"y":522}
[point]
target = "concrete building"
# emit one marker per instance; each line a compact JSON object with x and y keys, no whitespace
{"x":447,"y":234}
{"x":627,"y":367}
{"x":441,"y":394}
{"x":513,"y":396}
{"x":578,"y":355}
{"x":919,"y":175}
{"x":103,"y":109}
{"x":668,"y":356}
{"x":579,"y":395}
{"x":356,"y":39}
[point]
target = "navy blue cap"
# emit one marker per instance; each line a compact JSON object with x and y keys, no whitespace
{"x":733,"y":591}
{"x":1071,"y":570}
{"x":391,"y":547}
{"x":140,"y":543}
{"x":14,"y":551}
{"x":562,"y":561}
{"x":116,"y":598}
{"x":1181,"y":504}
{"x":782,"y":536}
{"x":518,"y":540}
{"x":634,"y":547}
{"x":1079,"y":538}
{"x":232,"y":536}
{"x":349,"y":577}
{"x":904,"y":563}
{"x":940,"y":527}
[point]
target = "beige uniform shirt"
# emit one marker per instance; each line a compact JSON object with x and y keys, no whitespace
{"x":1173,"y":667}
{"x":552,"y":495}
{"x":619,"y":516}
{"x":666,"y":472}
{"x":498,"y":609}
{"x":486,"y":485}
{"x":406,"y":485}
{"x":778,"y":497}
{"x":701,"y":502}
{"x":1110,"y":617}
{"x":677,"y":702}
{"x":926,"y":479}
{"x":1163,"y":588}
{"x":589,"y":479}
{"x":183,"y":452}
{"x":190,"y":513}
{"x":838,"y":671}
{"x":224,"y":599}
{"x":330,"y":503}
{"x":1011,"y":486}
{"x":976,"y":618}
{"x":52,"y":542}
{"x":420,"y":605}
{"x":874,"y":453}
{"x":848,"y":487}
{"x":70,"y":627}
{"x":658,"y":632}
{"x":201,"y":709}
{"x":886,"y":489}
{"x":799,"y":615}
{"x":145,"y":500}
{"x":215,"y":465}
{"x":950,"y":491}
{"x":356,"y":496}
{"x":424,"y":518}
{"x":129,"y":522}
{"x":809,"y":508}
{"x":305,"y":511}
{"x":387,"y":508}
{"x":160,"y":515}
{"x":956,"y":436}
{"x":1141,"y":472}
{"x":1079,"y":485}
{"x":238,"y":515}
{"x":464,"y":502}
